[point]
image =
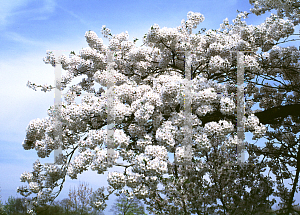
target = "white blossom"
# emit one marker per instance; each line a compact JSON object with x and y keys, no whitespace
{"x":94,"y":41}
{"x":34,"y":187}
{"x":26,"y":177}
{"x":227,"y":105}
{"x":116,"y":179}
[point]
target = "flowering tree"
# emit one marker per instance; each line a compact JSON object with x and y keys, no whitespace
{"x":149,"y":118}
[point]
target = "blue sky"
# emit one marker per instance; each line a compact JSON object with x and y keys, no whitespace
{"x":29,"y":28}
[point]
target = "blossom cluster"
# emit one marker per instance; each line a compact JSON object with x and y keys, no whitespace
{"x":98,"y":159}
{"x":26,"y":176}
{"x":216,"y":62}
{"x":142,"y":143}
{"x":227,"y":105}
{"x":156,"y":152}
{"x":102,"y":78}
{"x":205,"y":96}
{"x":265,"y":34}
{"x":231,"y":141}
{"x":288,"y":8}
{"x":166,"y":133}
{"x":202,"y":141}
{"x":52,"y":173}
{"x":252,"y":124}
{"x":194,"y":19}
{"x":141,"y":191}
{"x":49,"y":174}
{"x":94,"y":41}
{"x":116,"y":180}
{"x":40,"y":136}
{"x":91,"y":54}
{"x":98,"y":199}
{"x":80,"y":163}
{"x":220,"y":128}
{"x":183,"y":153}
{"x":120,"y":110}
{"x":116,"y":40}
{"x":202,"y":110}
{"x":144,"y":114}
{"x":133,"y":179}
{"x":144,"y":162}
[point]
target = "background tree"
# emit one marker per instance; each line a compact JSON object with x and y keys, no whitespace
{"x":15,"y":206}
{"x":79,"y":199}
{"x":66,"y":205}
{"x":2,"y":211}
{"x":18,"y":206}
{"x":125,"y":206}
{"x":53,"y":209}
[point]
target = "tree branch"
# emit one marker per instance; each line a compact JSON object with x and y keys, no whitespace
{"x":290,"y":202}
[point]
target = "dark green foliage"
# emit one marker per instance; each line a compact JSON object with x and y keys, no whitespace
{"x":15,"y":206}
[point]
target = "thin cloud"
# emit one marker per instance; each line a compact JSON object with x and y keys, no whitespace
{"x":232,"y":2}
{"x":14,"y":10}
{"x":73,"y":15}
{"x":21,"y":39}
{"x":48,"y":9}
{"x":49,"y":6}
{"x":7,"y":10}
